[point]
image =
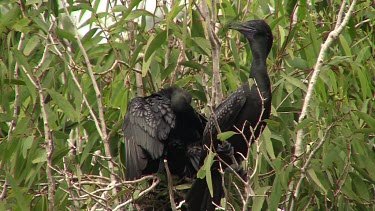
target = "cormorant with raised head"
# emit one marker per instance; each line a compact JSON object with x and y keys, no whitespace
{"x":247,"y":107}
{"x":162,"y":126}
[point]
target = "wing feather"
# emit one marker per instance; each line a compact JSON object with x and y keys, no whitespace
{"x":226,"y":114}
{"x":147,"y":124}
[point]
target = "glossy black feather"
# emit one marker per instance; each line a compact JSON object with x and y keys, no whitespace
{"x":162,"y":125}
{"x":247,"y":107}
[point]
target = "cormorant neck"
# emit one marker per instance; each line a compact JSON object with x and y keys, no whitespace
{"x":258,"y":68}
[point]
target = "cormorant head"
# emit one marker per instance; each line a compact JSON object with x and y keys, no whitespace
{"x":255,"y":31}
{"x":180,"y":99}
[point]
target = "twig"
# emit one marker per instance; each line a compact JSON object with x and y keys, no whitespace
{"x":170,"y":186}
{"x":154,"y":184}
{"x":5,"y":188}
{"x":68,"y":180}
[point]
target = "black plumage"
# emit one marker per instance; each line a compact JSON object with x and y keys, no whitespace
{"x":162,"y":126}
{"x":248,"y":106}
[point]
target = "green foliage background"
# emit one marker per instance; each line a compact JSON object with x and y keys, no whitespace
{"x":169,"y":46}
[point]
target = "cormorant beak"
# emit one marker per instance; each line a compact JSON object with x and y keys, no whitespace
{"x":242,"y":27}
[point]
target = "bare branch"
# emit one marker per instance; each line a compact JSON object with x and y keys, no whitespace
{"x":98,"y":93}
{"x":210,"y":18}
{"x":317,"y":68}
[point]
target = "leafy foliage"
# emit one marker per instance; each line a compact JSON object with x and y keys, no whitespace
{"x":76,"y":89}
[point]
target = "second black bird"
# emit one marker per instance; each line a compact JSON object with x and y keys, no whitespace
{"x":162,"y":126}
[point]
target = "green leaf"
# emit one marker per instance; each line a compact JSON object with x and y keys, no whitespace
{"x":275,"y":193}
{"x":183,"y":187}
{"x":313,"y":176}
{"x":345,"y":45}
{"x":119,"y":8}
{"x":136,"y":194}
{"x":22,"y":25}
{"x":192,"y":64}
{"x":268,"y":143}
{"x":294,"y":81}
{"x":26,"y":145}
{"x":174,"y":12}
{"x":305,"y":123}
{"x":197,"y":29}
{"x":203,"y":44}
{"x":155,"y":43}
{"x":367,"y":118}
{"x":64,"y":105}
{"x":146,"y":64}
{"x":225,"y":135}
{"x":258,"y":201}
{"x":21,"y":59}
{"x":137,"y":13}
{"x":17,"y":192}
{"x":31,"y":45}
{"x":41,"y":158}
{"x":361,"y":188}
{"x":210,"y":160}
{"x":14,"y":81}
{"x":298,"y":63}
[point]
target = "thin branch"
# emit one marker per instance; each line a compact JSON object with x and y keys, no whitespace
{"x":71,"y":64}
{"x":170,"y":186}
{"x":317,"y":68}
{"x":47,"y":131}
{"x":68,"y":180}
{"x":210,"y":18}
{"x":98,"y":96}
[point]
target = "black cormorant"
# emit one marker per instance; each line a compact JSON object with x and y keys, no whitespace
{"x":250,"y":105}
{"x":162,"y":126}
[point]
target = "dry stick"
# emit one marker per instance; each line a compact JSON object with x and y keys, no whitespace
{"x":103,"y":128}
{"x":170,"y":186}
{"x":210,"y":18}
{"x":317,"y":68}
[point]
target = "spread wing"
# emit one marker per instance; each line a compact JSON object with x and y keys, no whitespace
{"x":226,"y":115}
{"x":147,"y":124}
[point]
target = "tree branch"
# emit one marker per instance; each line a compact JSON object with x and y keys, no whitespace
{"x":210,"y":18}
{"x":317,"y":68}
{"x":98,"y":93}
